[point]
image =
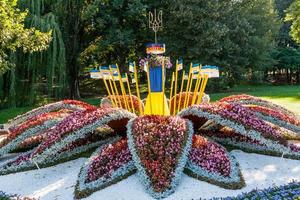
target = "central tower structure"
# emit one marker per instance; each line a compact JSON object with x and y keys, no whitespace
{"x":156,"y":102}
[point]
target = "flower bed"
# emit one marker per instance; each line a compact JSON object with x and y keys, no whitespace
{"x":81,"y":121}
{"x":110,"y":163}
{"x":232,"y":140}
{"x":251,"y":100}
{"x":106,"y":102}
{"x":77,"y":126}
{"x":278,"y":118}
{"x":159,"y":146}
{"x":28,"y":129}
{"x":210,"y":162}
{"x":29,"y":143}
{"x":289,"y":192}
{"x":155,"y":60}
{"x":65,"y":104}
{"x":5,"y":196}
{"x":189,"y":98}
{"x":243,"y":122}
{"x":71,"y":151}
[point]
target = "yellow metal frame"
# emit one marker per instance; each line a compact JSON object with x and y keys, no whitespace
{"x":198,"y":91}
{"x":137,"y":89}
{"x":122,"y":88}
{"x":171,"y":91}
{"x":202,"y":88}
{"x":198,"y":83}
{"x":111,"y":96}
{"x":129,"y":90}
{"x":181,"y":90}
{"x":163,"y":86}
{"x":149,"y":88}
{"x":175,"y":92}
{"x":188,"y":86}
{"x":112,"y":89}
{"x":116,"y":89}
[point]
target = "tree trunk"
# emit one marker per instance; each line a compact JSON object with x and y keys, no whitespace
{"x":74,"y":42}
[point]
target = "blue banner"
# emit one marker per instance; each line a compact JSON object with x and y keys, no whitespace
{"x":155,"y":75}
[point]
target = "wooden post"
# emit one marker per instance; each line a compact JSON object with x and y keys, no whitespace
{"x":181,"y":90}
{"x":187,"y":86}
{"x":129,"y":90}
{"x":198,"y":83}
{"x":190,"y":89}
{"x":149,"y":86}
{"x":137,"y":89}
{"x":202,"y":88}
{"x":122,"y":89}
{"x":199,"y":77}
{"x":116,"y":89}
{"x":163,"y":85}
{"x":112,"y":88}
{"x":109,"y":93}
{"x":171,"y":91}
{"x":175,"y":93}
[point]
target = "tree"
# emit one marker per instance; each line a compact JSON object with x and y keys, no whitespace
{"x":14,"y":35}
{"x":226,"y":33}
{"x":51,"y":74}
{"x":288,"y":60}
{"x":284,"y":39}
{"x":116,"y":31}
{"x":293,"y":15}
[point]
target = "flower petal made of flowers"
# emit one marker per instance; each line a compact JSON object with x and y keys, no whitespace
{"x":159,"y":146}
{"x":211,"y":162}
{"x":109,"y":164}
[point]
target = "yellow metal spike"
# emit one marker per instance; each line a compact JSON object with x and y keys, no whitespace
{"x":171,"y":91}
{"x":149,"y":87}
{"x":116,"y":89}
{"x":109,"y":93}
{"x":122,"y":89}
{"x":202,"y":88}
{"x":137,"y":89}
{"x":129,"y":90}
{"x":175,"y":89}
{"x":187,"y":86}
{"x":181,"y":90}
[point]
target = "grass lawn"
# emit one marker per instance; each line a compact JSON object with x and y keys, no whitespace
{"x":287,"y":96}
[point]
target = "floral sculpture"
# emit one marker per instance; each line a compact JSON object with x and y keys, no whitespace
{"x":268,"y":111}
{"x":158,"y":148}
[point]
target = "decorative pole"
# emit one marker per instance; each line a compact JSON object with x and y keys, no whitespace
{"x":155,"y":22}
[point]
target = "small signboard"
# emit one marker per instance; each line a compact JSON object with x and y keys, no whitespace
{"x":155,"y":48}
{"x":211,"y":71}
{"x":95,"y":74}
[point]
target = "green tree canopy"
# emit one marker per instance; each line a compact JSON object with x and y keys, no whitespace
{"x":14,"y":35}
{"x":237,"y":35}
{"x":116,"y":30}
{"x":293,"y":15}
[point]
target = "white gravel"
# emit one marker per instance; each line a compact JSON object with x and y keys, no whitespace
{"x":58,"y":182}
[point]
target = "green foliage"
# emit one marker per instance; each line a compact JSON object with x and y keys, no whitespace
{"x":293,"y":15}
{"x":226,"y":33}
{"x":14,"y":35}
{"x":287,"y":57}
{"x":36,"y":73}
{"x":240,"y":36}
{"x":284,"y":39}
{"x":116,"y":31}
